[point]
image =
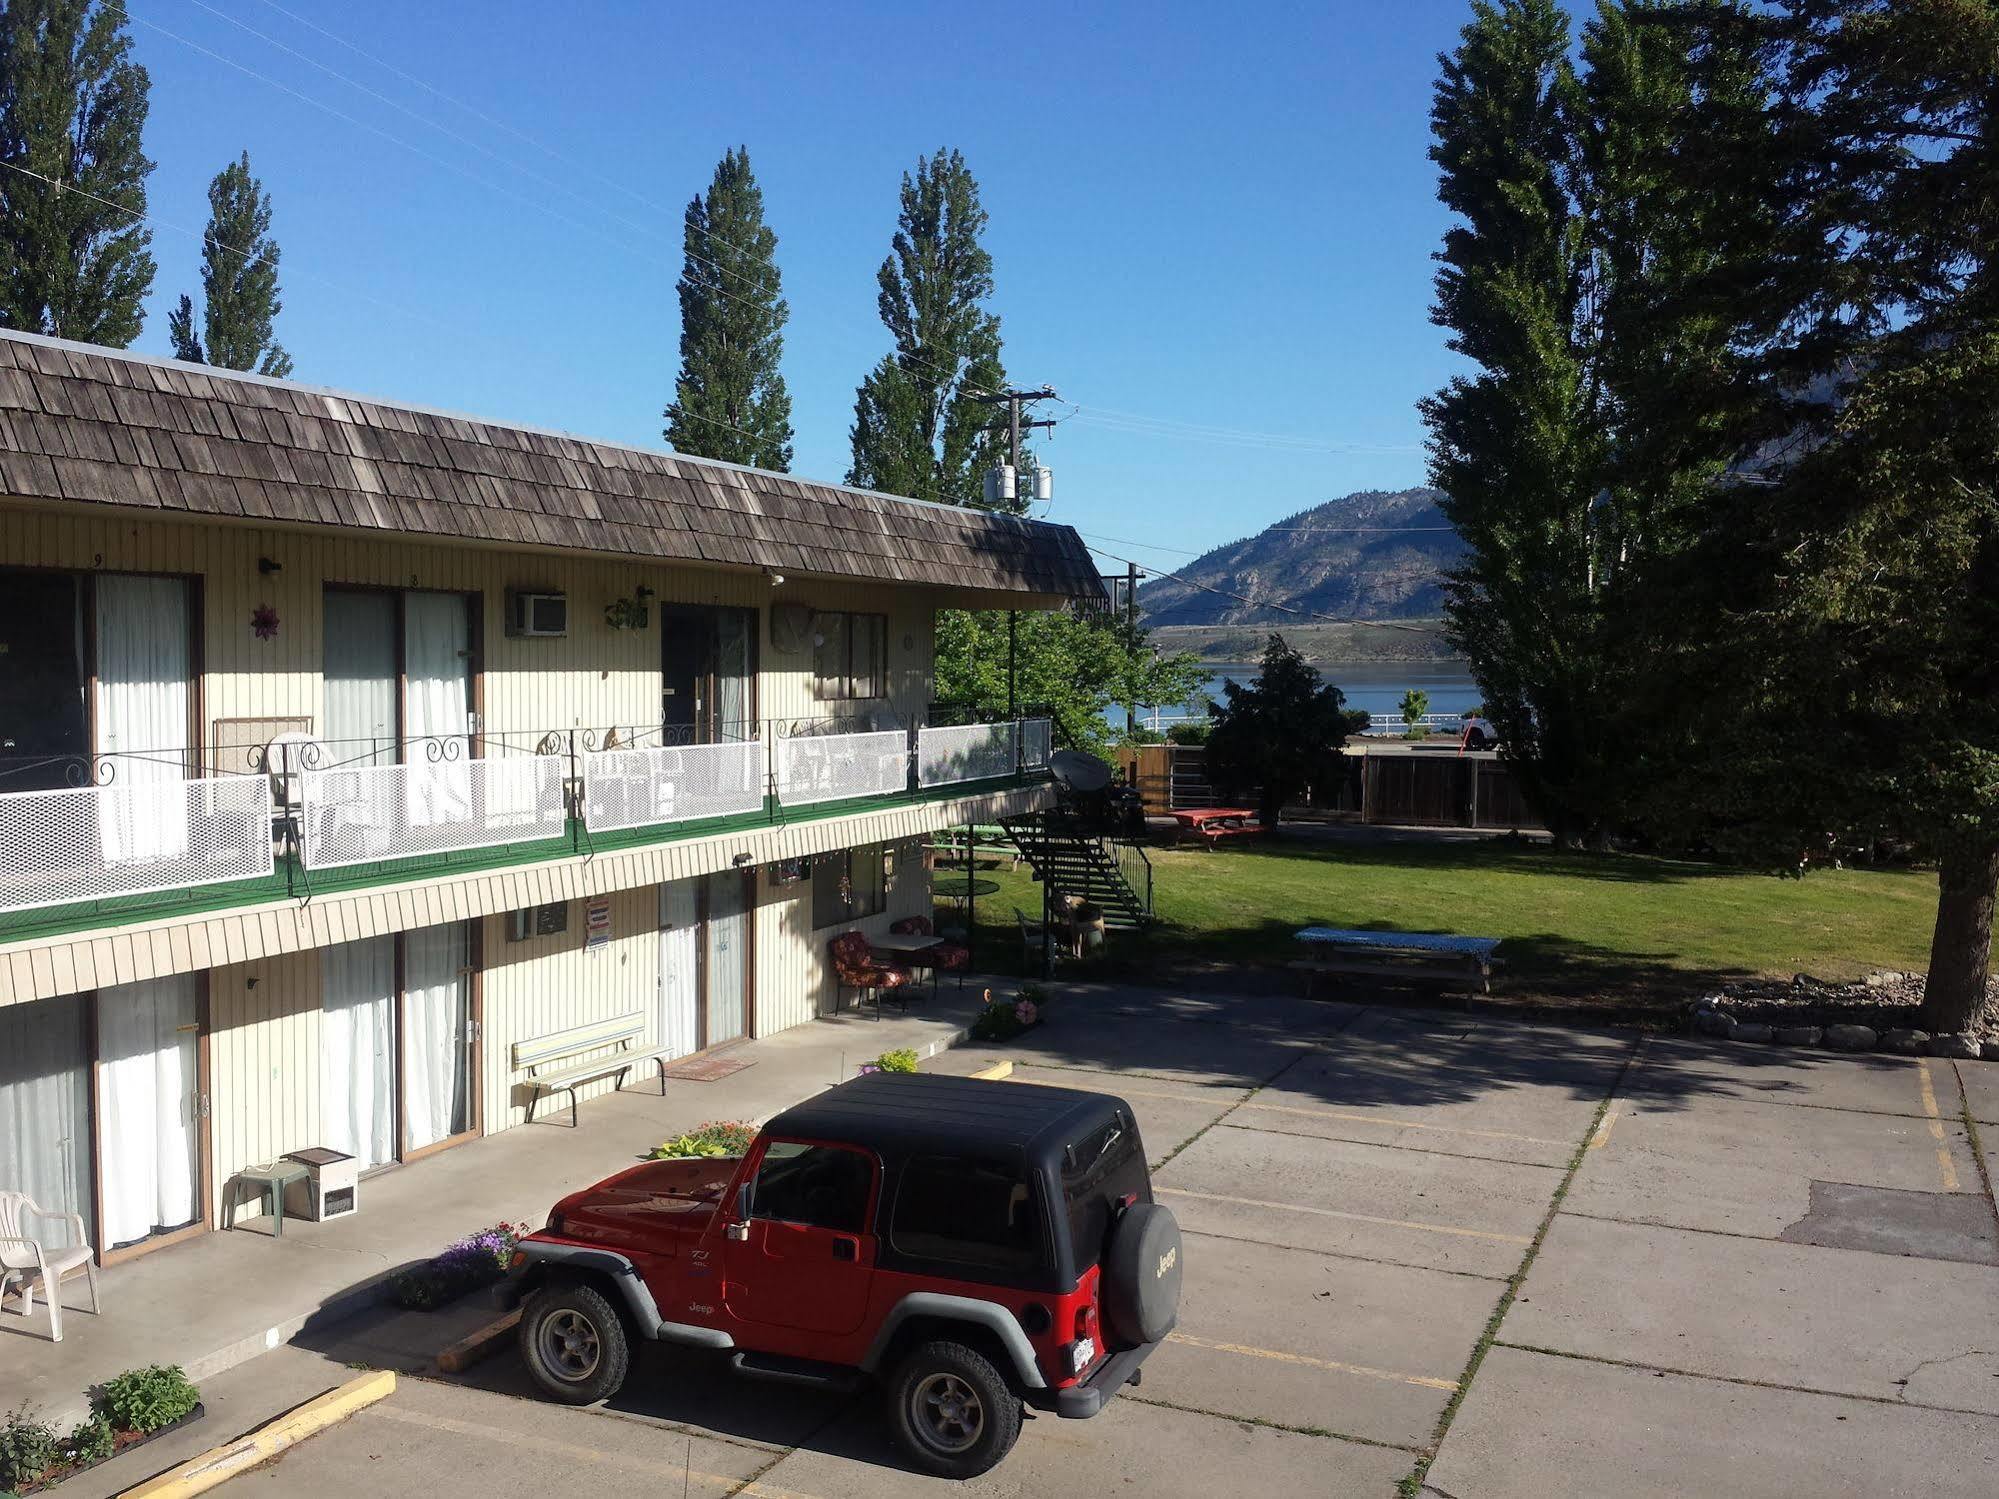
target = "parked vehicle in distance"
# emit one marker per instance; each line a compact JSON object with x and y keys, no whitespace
{"x":974,"y":1248}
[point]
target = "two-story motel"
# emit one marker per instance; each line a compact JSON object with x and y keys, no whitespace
{"x":346,"y":746}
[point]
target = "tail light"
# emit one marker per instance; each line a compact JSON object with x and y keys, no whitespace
{"x":1082,"y":1352}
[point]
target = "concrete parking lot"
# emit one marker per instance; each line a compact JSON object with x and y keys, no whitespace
{"x":1421,"y":1246}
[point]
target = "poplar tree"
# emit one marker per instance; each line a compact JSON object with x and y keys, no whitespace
{"x":730,"y":401}
{"x":239,"y":281}
{"x":74,"y":261}
{"x":918,"y":428}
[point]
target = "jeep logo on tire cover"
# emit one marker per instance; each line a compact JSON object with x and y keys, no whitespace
{"x":1166,"y":1262}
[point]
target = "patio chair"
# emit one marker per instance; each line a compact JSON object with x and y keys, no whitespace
{"x":22,"y":1256}
{"x":947,"y":957}
{"x":1030,"y":938}
{"x":868,"y":973}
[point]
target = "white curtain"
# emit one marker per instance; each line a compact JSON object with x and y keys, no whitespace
{"x":357,"y":1064}
{"x":728,"y":936}
{"x":732,"y":675}
{"x":437,"y":1004}
{"x":437,"y":667}
{"x":679,"y":965}
{"x":143,"y":697}
{"x":45,"y":1107}
{"x":147,"y":1090}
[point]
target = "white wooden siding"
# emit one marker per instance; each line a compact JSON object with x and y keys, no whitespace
{"x":594,"y":677}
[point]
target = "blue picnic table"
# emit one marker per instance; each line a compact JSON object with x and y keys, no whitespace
{"x":1435,"y":955}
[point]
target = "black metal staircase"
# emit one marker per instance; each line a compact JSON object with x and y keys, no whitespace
{"x":1072,"y":859}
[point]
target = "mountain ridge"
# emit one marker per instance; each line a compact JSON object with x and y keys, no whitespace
{"x":1374,"y":554}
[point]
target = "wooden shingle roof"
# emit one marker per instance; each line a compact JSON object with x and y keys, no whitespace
{"x":104,"y":427}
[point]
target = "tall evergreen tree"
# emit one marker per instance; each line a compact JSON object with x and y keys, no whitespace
{"x":73,"y":240}
{"x":239,"y":281}
{"x":1850,"y":600}
{"x":1570,"y":459}
{"x":1517,"y":444}
{"x":918,"y":429}
{"x":730,"y":401}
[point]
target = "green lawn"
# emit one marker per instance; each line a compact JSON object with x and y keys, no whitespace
{"x":1618,"y":928}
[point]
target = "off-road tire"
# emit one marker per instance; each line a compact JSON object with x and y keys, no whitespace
{"x":1141,"y":1274}
{"x":928,"y":1389}
{"x":574,"y":1343}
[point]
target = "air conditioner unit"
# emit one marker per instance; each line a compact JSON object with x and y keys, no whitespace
{"x":538,"y":614}
{"x":329,"y":1187}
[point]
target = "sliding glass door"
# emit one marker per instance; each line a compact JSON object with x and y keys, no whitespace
{"x":727,"y":957}
{"x":45,"y":1104}
{"x":709,"y":665}
{"x":149,"y":1092}
{"x":399,"y":1043}
{"x":439,"y":1034}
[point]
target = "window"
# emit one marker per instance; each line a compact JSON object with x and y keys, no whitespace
{"x":967,"y":1213}
{"x":849,"y":656}
{"x":850,"y":884}
{"x":821,"y":1186}
{"x":1099,"y":1171}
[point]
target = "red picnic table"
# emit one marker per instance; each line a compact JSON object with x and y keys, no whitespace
{"x":1213,"y":824}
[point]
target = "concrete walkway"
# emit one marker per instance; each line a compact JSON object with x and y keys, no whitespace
{"x":215,"y":1301}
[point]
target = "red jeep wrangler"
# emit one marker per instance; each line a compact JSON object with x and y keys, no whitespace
{"x":974,"y":1246}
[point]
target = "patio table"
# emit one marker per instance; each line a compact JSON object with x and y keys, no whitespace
{"x":270,"y":1179}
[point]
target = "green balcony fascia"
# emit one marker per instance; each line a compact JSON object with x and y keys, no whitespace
{"x":290,"y":881}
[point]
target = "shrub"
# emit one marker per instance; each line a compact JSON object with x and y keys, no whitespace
{"x":27,"y":1448}
{"x":145,"y":1400}
{"x":718,"y":1137}
{"x":1190,"y":733}
{"x":91,"y":1442}
{"x":902,"y":1059}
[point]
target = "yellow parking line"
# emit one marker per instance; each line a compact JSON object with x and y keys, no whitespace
{"x":1945,"y":1166}
{"x":1448,"y":1129}
{"x":575,"y":1452}
{"x":1602,"y":1136}
{"x":1311,"y":1363}
{"x":1292,"y":1207}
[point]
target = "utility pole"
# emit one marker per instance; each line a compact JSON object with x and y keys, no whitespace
{"x":1131,"y":625}
{"x":1014,"y":400}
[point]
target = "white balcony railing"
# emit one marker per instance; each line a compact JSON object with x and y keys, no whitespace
{"x":830,"y":767}
{"x":967,"y":752}
{"x":85,"y":843}
{"x":376,"y":812}
{"x":640,"y":788}
{"x":1037,"y":743}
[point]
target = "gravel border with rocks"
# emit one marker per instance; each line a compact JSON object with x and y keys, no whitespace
{"x":1876,"y":1014}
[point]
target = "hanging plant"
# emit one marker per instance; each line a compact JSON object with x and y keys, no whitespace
{"x":634,"y":613}
{"x":264,"y":622}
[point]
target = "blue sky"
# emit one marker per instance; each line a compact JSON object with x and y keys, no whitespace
{"x":1203,"y":216}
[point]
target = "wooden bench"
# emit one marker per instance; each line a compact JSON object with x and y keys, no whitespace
{"x":559,"y":1047}
{"x":1399,"y":955}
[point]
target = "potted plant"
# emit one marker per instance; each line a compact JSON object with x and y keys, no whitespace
{"x":1003,"y":1019}
{"x":718,"y":1137}
{"x":475,"y":1261}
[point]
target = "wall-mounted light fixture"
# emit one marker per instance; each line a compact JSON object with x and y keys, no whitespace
{"x":774,"y":576}
{"x":266,"y":566}
{"x":743,"y":859}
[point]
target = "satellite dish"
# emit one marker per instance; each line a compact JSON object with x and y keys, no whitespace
{"x":790,"y":627}
{"x":1078,"y":771}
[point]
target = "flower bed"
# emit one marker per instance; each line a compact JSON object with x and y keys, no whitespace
{"x":476,"y":1261}
{"x":1003,"y":1019}
{"x":1878,"y":1013}
{"x":718,"y":1137}
{"x":125,"y":1412}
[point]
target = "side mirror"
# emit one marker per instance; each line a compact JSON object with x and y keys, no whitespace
{"x":740,"y":1229}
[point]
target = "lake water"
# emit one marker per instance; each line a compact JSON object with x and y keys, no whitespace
{"x":1374,"y":686}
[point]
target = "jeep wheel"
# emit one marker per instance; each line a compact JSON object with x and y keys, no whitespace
{"x":952,"y":1412}
{"x":574,"y":1344}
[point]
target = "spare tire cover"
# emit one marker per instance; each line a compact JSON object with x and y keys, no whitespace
{"x":1141,"y":1274}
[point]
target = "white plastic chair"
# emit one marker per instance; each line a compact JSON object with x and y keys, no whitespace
{"x":22,"y":1256}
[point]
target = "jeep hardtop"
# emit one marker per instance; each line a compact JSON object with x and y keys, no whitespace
{"x":974,"y":1247}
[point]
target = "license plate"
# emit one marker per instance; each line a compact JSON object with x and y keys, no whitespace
{"x":1082,"y":1354}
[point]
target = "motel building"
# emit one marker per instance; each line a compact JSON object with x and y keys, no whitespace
{"x":355,"y":755}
